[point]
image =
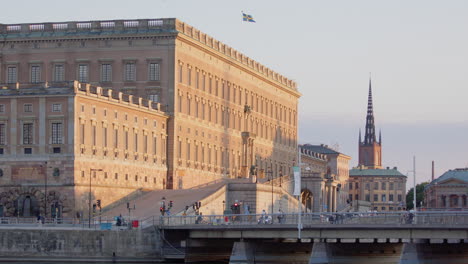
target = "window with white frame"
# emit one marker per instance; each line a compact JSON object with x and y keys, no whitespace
{"x":130,"y":71}
{"x":35,"y":73}
{"x":56,"y":107}
{"x":59,"y":73}
{"x":12,"y":74}
{"x":83,"y":73}
{"x":106,"y":72}
{"x":2,"y":108}
{"x":2,"y":134}
{"x":28,"y":108}
{"x":154,"y":71}
{"x":28,"y":133}
{"x":57,"y":133}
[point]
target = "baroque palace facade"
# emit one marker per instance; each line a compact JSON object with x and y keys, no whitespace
{"x":215,"y":112}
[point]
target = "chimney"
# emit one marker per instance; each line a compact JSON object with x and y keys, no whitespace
{"x":432,"y":170}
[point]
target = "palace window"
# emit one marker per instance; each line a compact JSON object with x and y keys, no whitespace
{"x":56,"y":107}
{"x":384,"y":197}
{"x":106,"y":72}
{"x":376,"y":186}
{"x":116,"y":138}
{"x":136,"y":141}
{"x":368,"y":197}
{"x":28,"y":134}
{"x":35,"y":73}
{"x":154,"y":72}
{"x":28,"y":108}
{"x":384,"y":186}
{"x":390,"y":197}
{"x":189,"y":76}
{"x":12,"y":75}
{"x":83,"y":73}
{"x":104,"y":136}
{"x":59,"y":73}
{"x":57,"y":133}
{"x":2,"y":134}
{"x":376,"y":197}
{"x":126,"y":140}
{"x":130,"y":72}
{"x":391,"y":186}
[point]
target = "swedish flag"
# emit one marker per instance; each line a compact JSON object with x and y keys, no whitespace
{"x":247,"y":18}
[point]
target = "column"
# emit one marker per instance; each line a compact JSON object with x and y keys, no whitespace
{"x":447,"y":202}
{"x":335,"y":196}
{"x":13,"y":139}
{"x":409,"y":254}
{"x":330,"y":198}
{"x":320,"y":253}
{"x":460,"y":202}
{"x":242,"y":253}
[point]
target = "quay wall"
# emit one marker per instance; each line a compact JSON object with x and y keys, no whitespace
{"x":76,"y":244}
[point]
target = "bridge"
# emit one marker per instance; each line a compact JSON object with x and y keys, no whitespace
{"x":400,"y":237}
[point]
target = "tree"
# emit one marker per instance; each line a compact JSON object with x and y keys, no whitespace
{"x":419,"y":195}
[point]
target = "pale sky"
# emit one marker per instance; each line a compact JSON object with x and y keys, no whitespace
{"x":417,"y":52}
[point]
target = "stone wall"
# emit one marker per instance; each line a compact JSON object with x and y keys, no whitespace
{"x":89,"y":244}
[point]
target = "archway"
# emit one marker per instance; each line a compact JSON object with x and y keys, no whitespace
{"x":307,"y":199}
{"x":27,"y":206}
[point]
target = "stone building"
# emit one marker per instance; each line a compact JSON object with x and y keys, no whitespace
{"x":325,"y":176}
{"x":73,"y":142}
{"x":385,"y":189}
{"x":226,"y":111}
{"x":449,"y":191}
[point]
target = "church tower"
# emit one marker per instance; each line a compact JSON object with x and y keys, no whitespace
{"x":370,"y":151}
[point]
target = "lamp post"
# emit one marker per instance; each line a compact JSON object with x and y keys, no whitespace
{"x":271,"y":180}
{"x":89,"y":204}
{"x":45,"y":190}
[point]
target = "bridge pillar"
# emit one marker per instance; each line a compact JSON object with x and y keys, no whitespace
{"x":320,"y":253}
{"x":242,"y":253}
{"x":409,"y":254}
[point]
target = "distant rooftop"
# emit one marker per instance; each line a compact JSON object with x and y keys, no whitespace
{"x":459,"y":174}
{"x":322,"y":149}
{"x":363,"y":171}
{"x":148,"y":27}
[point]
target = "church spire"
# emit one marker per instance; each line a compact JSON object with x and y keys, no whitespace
{"x":369,"y":137}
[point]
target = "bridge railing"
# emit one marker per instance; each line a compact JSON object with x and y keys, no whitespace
{"x":349,"y":218}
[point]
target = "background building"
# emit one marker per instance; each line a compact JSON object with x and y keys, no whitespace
{"x":62,"y":145}
{"x":325,"y":175}
{"x":226,"y":111}
{"x":385,"y":189}
{"x":449,"y":191}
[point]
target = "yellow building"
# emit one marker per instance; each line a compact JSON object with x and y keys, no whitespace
{"x":225,"y":112}
{"x":73,"y":142}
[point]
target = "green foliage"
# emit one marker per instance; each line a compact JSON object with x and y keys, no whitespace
{"x":419,"y":195}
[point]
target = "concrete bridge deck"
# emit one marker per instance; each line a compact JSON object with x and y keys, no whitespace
{"x":322,"y":238}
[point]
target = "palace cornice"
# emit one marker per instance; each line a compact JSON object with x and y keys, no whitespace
{"x":223,"y":57}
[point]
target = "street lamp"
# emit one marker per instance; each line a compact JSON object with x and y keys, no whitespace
{"x":271,"y":180}
{"x":89,"y":204}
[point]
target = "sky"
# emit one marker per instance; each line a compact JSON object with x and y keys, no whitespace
{"x":416,"y":53}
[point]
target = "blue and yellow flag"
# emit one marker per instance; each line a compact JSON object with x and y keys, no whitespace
{"x":247,"y":18}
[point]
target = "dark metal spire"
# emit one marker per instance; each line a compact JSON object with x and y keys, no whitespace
{"x":360,"y":140}
{"x":369,"y":137}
